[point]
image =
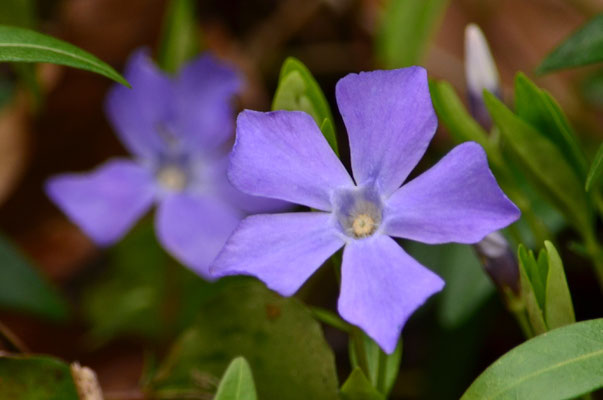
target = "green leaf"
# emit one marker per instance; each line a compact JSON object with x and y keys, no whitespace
{"x":24,"y":45}
{"x":452,"y":113}
{"x":543,"y":164}
{"x":558,"y":308}
{"x":532,"y":290}
{"x":405,"y":29}
{"x":143,"y":292}
{"x":538,"y":108}
{"x":583,"y":47}
{"x":278,"y":336}
{"x":237,"y":382}
{"x":373,"y":353}
{"x":596,"y":170}
{"x":562,"y":364}
{"x":35,"y":377}
{"x":358,"y":387}
{"x":180,"y":35}
{"x":23,"y":289}
{"x":298,"y":91}
{"x":467,"y":286}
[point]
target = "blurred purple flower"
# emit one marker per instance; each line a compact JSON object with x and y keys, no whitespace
{"x":390,"y":122}
{"x":179,"y":131}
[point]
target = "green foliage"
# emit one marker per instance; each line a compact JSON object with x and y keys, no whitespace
{"x":583,"y":47}
{"x":278,"y":336}
{"x":454,"y":115}
{"x":180,"y":35}
{"x":358,"y":387}
{"x":544,"y":289}
{"x":35,"y":377}
{"x":564,"y":363}
{"x":543,"y":164}
{"x":298,"y":91}
{"x":467,"y":286}
{"x":237,"y":382}
{"x":23,"y":289}
{"x":596,"y":170}
{"x":24,"y":45}
{"x":143,"y":292}
{"x":380,"y":365}
{"x":538,"y":108}
{"x":405,"y":29}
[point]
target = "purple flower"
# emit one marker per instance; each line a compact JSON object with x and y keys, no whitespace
{"x":390,"y":122}
{"x":179,"y":131}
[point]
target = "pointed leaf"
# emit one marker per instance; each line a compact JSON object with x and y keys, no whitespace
{"x":596,"y":170}
{"x":543,"y":164}
{"x":538,"y":108}
{"x":558,"y":309}
{"x":531,"y":290}
{"x":23,"y":289}
{"x":583,"y":47}
{"x":24,"y":45}
{"x":562,"y":364}
{"x":358,"y":387}
{"x":237,"y":382}
{"x":298,"y":91}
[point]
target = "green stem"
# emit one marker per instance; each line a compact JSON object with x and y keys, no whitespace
{"x":382,"y":372}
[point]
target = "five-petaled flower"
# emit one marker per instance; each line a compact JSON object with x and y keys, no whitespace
{"x":179,"y":130}
{"x":390,"y":122}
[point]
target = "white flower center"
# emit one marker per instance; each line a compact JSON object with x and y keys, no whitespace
{"x":358,"y":210}
{"x":172,"y":177}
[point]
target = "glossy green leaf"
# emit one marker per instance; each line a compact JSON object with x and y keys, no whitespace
{"x":543,"y":164}
{"x":24,"y":45}
{"x":298,"y":91}
{"x":23,"y":289}
{"x":279,"y":338}
{"x":35,"y":378}
{"x":358,"y":387}
{"x":562,"y":364}
{"x":237,"y":382}
{"x":596,"y":170}
{"x":583,"y":47}
{"x":538,"y":108}
{"x":180,"y":35}
{"x":558,"y":307}
{"x":452,"y":113}
{"x":405,"y":29}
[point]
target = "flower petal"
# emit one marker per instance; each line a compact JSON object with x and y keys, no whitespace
{"x":282,"y":250}
{"x":204,"y":95}
{"x":140,"y":113}
{"x":390,"y":122}
{"x":106,"y":202}
{"x":457,"y":200}
{"x":381,"y":286}
{"x":284,"y":155}
{"x":194,"y":228}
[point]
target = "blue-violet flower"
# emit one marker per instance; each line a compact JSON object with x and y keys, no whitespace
{"x":390,"y":122}
{"x":179,"y":130}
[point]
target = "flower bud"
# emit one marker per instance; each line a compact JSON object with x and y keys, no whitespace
{"x":499,"y":262}
{"x":480,"y":73}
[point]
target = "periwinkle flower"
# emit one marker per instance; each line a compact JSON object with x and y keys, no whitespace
{"x":179,"y":130}
{"x":390,"y":122}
